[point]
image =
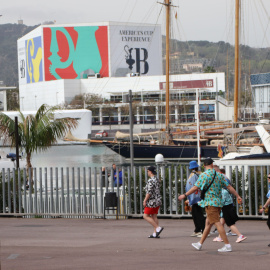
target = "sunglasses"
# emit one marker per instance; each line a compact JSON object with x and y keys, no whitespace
{"x":268,"y":177}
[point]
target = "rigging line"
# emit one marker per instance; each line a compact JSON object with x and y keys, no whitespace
{"x":113,"y":49}
{"x":139,"y":25}
{"x":261,"y":22}
{"x":127,"y":4}
{"x":260,"y":56}
{"x":137,"y":80}
{"x":268,"y":17}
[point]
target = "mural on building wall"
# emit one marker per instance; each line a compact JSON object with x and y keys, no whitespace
{"x":75,"y":52}
{"x":34,"y":71}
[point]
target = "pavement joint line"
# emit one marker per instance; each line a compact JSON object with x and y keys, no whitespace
{"x":12,"y":256}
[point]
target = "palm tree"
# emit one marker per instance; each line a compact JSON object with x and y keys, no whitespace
{"x":36,"y":132}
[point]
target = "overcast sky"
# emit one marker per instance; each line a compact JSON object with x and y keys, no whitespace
{"x":210,"y":20}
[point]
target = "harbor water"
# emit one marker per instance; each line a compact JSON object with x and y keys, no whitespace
{"x":73,"y":156}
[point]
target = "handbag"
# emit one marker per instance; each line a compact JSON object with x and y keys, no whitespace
{"x":204,"y":190}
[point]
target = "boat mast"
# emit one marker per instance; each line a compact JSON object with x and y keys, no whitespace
{"x":236,"y":61}
{"x":168,"y":6}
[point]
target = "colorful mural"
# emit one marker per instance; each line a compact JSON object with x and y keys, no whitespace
{"x":34,"y":70}
{"x":75,"y":52}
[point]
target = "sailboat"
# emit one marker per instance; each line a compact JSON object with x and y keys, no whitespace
{"x":168,"y":149}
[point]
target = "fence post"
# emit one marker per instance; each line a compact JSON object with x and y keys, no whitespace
{"x":176,"y":189}
{"x":14,"y":192}
{"x":41,"y":191}
{"x":140,"y":177}
{"x":9,"y":193}
{"x":63,"y":208}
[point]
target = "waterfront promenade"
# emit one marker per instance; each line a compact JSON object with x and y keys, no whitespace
{"x":123,"y":244}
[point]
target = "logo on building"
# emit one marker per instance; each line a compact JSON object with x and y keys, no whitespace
{"x":137,"y":57}
{"x":34,"y":71}
{"x":22,"y":68}
{"x":75,"y":52}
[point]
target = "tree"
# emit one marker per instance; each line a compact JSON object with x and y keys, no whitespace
{"x":36,"y":132}
{"x":209,"y":69}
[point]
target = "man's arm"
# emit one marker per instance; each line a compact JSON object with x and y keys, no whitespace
{"x":233,"y":191}
{"x":147,"y":196}
{"x":265,"y":205}
{"x":192,"y":190}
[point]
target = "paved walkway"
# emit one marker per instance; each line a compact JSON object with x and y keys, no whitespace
{"x":123,"y":244}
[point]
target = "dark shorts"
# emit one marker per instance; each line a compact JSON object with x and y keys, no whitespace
{"x":229,"y":214}
{"x":151,"y":210}
{"x":212,"y":214}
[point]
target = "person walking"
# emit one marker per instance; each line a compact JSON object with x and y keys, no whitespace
{"x":152,"y":202}
{"x":213,"y":182}
{"x":193,"y":199}
{"x":228,"y":213}
{"x":117,"y":180}
{"x":267,"y":204}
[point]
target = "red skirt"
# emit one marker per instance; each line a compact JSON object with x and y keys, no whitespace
{"x":151,"y":210}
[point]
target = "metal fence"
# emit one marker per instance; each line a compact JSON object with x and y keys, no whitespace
{"x":79,"y":192}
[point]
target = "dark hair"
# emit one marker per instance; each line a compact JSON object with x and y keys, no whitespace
{"x":208,"y":161}
{"x":222,"y":170}
{"x":152,"y":169}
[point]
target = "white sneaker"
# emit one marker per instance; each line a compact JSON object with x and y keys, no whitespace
{"x":225,"y":249}
{"x":230,"y":233}
{"x":198,"y":246}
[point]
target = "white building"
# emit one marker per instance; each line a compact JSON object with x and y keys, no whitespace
{"x":58,"y":62}
{"x":260,"y":84}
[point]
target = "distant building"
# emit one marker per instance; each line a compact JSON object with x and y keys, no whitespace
{"x":58,"y":62}
{"x":260,"y":84}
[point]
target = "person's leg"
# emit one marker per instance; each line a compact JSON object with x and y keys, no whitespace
{"x":155,"y":219}
{"x":195,"y":217}
{"x":201,"y":218}
{"x":150,"y":220}
{"x":206,"y":231}
{"x":222,"y":232}
{"x":235,"y":230}
{"x":222,"y":222}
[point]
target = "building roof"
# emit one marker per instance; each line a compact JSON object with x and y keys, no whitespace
{"x":259,"y":79}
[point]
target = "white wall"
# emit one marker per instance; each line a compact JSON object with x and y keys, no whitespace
{"x":32,"y":96}
{"x":84,"y":118}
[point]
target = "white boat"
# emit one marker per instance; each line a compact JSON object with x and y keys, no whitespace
{"x":255,"y":157}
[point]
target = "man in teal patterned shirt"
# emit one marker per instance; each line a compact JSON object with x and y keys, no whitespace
{"x":212,"y":202}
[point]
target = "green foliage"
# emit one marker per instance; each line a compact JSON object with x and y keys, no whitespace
{"x":9,"y":204}
{"x":209,"y":69}
{"x":247,"y":190}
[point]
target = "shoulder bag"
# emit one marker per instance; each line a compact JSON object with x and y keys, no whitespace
{"x":205,"y":190}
